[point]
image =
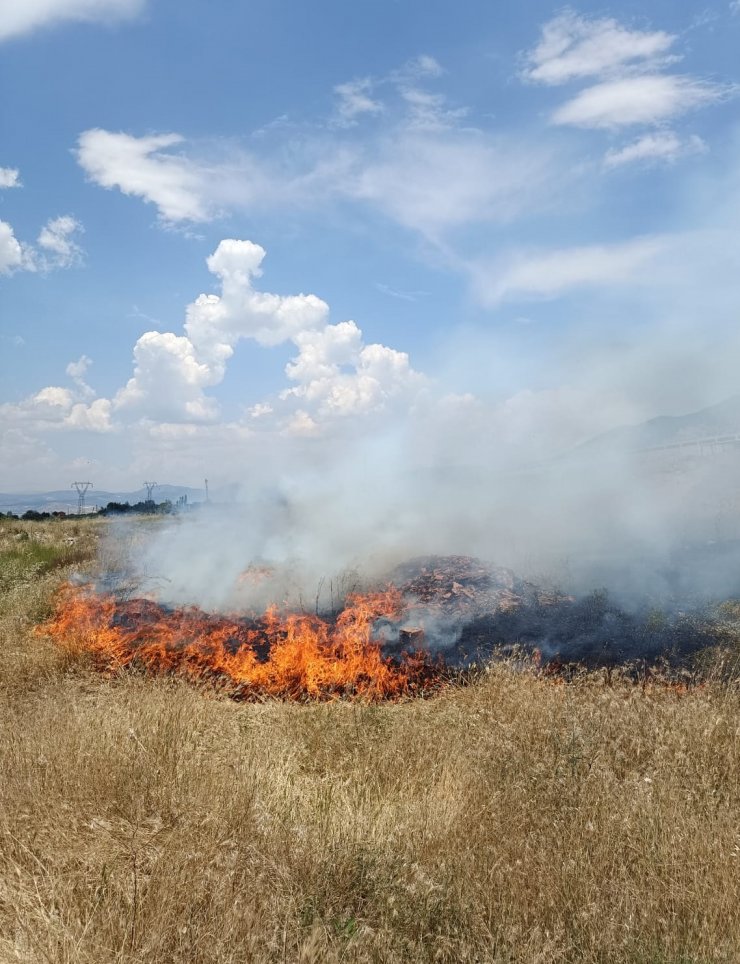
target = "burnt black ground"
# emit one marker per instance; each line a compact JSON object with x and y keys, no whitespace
{"x":472,"y":611}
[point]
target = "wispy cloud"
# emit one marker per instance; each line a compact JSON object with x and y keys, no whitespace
{"x":9,"y":177}
{"x":629,"y":82}
{"x":572,"y":47}
{"x":56,"y":247}
{"x":423,"y":170}
{"x":141,"y":166}
{"x":433,"y":182}
{"x":401,"y":295}
{"x":646,"y":99}
{"x":18,"y":17}
{"x":354,"y":99}
{"x":541,"y":275}
{"x":660,"y":147}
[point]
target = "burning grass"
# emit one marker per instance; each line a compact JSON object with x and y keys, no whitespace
{"x":512,"y":820}
{"x":294,"y":656}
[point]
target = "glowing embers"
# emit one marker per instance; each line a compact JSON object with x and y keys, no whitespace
{"x":292,"y":656}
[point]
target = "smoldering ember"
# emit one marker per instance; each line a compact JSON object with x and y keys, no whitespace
{"x":428,"y":621}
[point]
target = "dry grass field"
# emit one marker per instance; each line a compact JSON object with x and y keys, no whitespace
{"x":512,"y":820}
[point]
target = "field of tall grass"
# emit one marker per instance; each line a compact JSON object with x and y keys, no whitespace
{"x":517,"y":819}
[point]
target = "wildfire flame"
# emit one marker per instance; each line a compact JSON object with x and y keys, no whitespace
{"x":293,"y":656}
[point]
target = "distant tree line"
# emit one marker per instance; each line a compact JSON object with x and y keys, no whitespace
{"x":33,"y":516}
{"x":138,"y":508}
{"x":112,"y":508}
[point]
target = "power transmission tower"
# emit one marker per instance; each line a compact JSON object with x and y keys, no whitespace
{"x":150,"y":487}
{"x":82,"y":488}
{"x":207,"y":496}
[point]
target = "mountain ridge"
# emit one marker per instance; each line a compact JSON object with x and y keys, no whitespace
{"x":722,"y":418}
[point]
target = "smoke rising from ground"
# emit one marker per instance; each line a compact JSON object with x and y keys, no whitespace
{"x":654,"y":528}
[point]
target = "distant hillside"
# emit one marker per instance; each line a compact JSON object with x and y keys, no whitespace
{"x":717,"y":420}
{"x":65,"y":500}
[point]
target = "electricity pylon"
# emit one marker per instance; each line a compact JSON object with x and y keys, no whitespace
{"x":82,"y":488}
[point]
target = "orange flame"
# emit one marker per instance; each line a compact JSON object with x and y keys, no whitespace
{"x":291,"y":656}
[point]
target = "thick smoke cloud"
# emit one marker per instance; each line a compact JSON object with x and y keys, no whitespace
{"x":655,"y":527}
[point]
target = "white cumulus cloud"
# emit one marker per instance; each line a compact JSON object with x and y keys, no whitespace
{"x":322,"y":353}
{"x":171,"y":372}
{"x":334,"y":373}
{"x":92,"y":417}
{"x":168,"y":381}
{"x":336,"y":370}
{"x":215,"y":323}
{"x":339,"y":376}
{"x":301,"y":425}
{"x":55,"y":408}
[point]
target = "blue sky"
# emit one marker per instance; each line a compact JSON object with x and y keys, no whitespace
{"x":481,"y":227}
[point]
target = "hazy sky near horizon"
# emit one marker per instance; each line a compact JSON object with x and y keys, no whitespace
{"x":238,"y":233}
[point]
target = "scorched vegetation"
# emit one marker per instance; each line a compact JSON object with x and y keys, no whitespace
{"x":520,"y":818}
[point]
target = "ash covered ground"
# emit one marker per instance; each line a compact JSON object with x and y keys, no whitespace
{"x":471,"y":611}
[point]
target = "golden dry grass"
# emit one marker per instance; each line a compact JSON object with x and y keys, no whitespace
{"x":514,"y":820}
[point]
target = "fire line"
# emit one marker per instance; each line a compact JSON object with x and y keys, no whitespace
{"x":292,"y":656}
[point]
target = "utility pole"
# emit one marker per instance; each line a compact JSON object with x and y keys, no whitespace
{"x":150,"y":487}
{"x":207,"y":496}
{"x":81,"y":488}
